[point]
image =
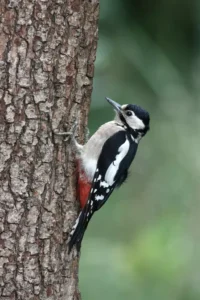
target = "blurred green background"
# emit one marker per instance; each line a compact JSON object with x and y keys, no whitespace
{"x":144,"y":243}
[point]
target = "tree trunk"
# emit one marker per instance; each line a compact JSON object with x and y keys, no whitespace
{"x":47,"y":53}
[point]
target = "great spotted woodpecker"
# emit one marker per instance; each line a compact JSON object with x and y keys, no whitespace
{"x":103,"y":162}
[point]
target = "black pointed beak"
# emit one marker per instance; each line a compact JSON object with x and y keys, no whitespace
{"x":116,"y":105}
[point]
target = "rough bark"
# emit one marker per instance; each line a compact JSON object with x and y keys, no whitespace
{"x":47,"y":53}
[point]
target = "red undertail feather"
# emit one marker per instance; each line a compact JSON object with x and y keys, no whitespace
{"x":83,"y":186}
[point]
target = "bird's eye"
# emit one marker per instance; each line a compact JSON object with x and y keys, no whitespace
{"x":129,"y":113}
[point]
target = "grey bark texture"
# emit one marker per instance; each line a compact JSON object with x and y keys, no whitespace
{"x":47,"y":54}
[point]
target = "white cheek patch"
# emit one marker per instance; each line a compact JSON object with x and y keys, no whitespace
{"x":134,"y":122}
{"x":114,"y":166}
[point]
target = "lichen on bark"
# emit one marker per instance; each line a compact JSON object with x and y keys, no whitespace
{"x":47,"y":54}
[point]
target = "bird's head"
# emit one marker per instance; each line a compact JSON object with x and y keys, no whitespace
{"x":131,"y":116}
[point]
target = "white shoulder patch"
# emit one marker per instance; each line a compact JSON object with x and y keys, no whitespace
{"x":114,"y":166}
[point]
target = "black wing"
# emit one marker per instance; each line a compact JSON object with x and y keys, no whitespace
{"x":111,"y":152}
{"x":112,"y":168}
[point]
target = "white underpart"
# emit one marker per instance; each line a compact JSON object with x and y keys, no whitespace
{"x":92,"y":149}
{"x":114,"y":166}
{"x":99,"y":197}
{"x":90,"y":167}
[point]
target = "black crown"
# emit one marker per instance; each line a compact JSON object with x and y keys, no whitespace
{"x":139,"y":112}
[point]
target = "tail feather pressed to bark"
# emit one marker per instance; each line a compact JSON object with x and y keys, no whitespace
{"x":79,"y":228}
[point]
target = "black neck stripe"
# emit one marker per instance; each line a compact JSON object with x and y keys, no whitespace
{"x":130,"y":130}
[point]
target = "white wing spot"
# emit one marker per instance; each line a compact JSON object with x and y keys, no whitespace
{"x":95,"y":190}
{"x":95,"y":180}
{"x":99,"y":197}
{"x":114,"y":166}
{"x":108,"y":190}
{"x":104,"y":184}
{"x":91,"y":190}
{"x":99,"y":178}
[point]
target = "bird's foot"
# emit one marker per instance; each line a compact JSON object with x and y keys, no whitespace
{"x":87,"y":134}
{"x":69,"y":135}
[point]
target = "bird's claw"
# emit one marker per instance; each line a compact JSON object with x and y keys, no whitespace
{"x":87,"y":134}
{"x":68,"y":134}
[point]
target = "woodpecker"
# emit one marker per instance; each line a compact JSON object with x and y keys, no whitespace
{"x":103,"y":162}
